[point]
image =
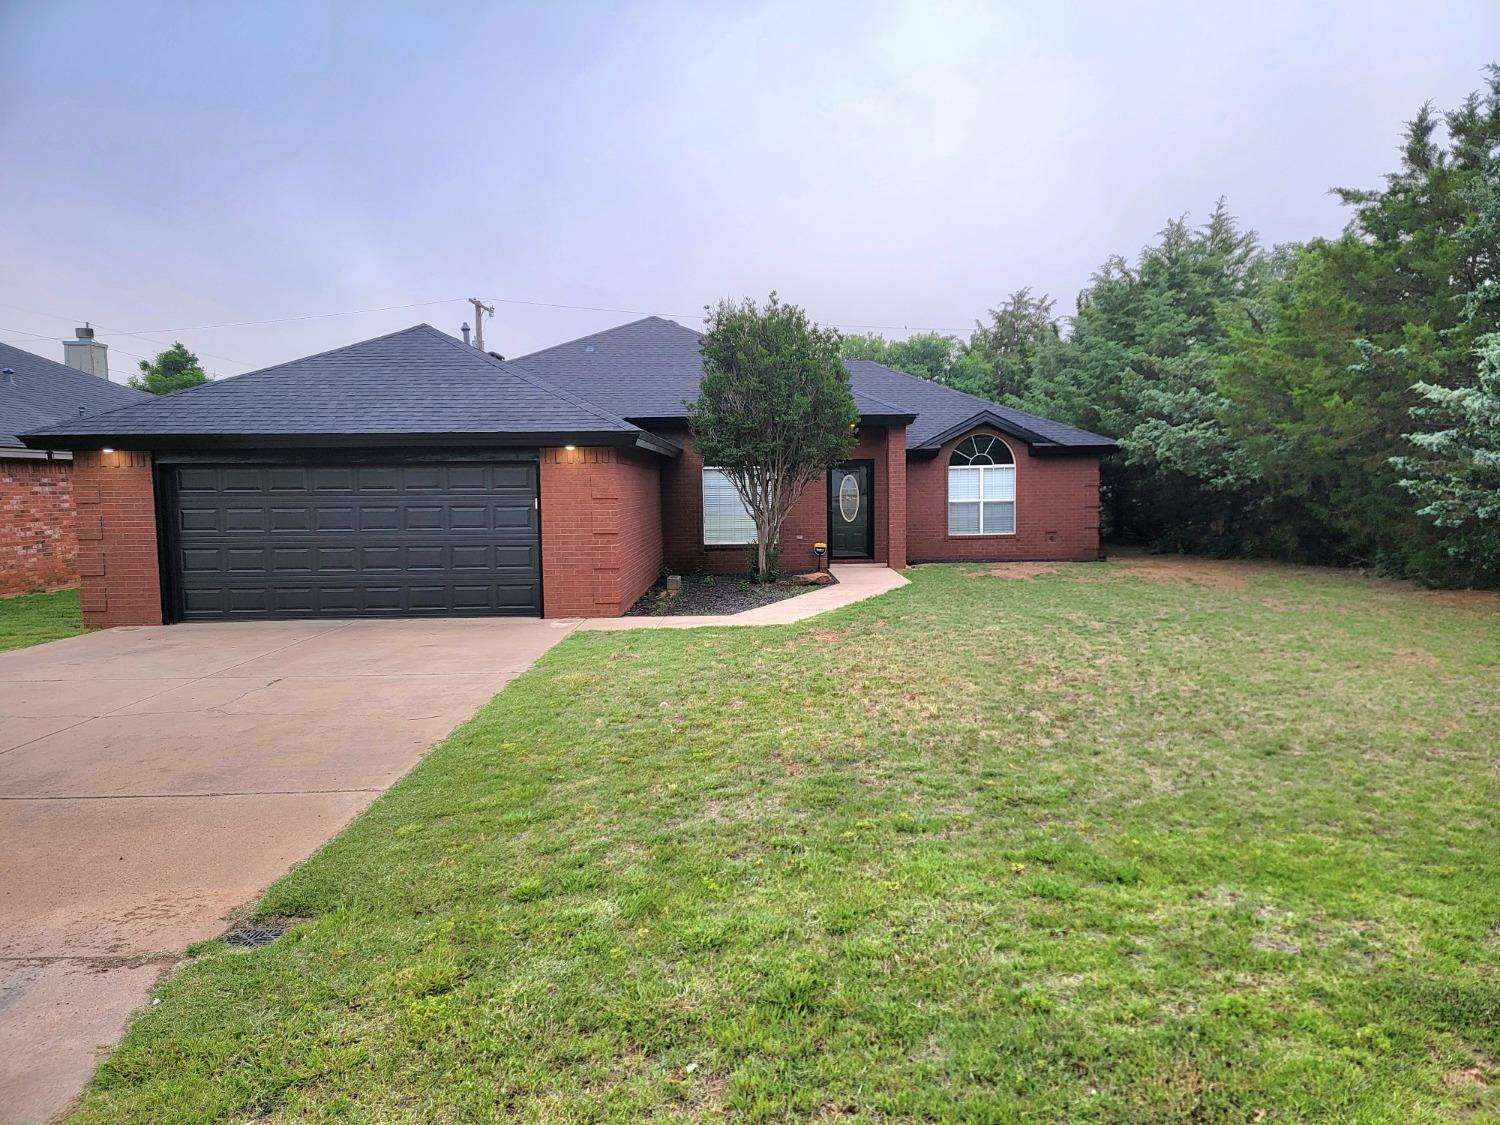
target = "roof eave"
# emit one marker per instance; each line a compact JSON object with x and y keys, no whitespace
{"x":178,"y":441}
{"x":1036,"y":444}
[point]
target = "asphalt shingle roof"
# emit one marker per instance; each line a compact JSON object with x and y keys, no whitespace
{"x":41,"y":392}
{"x":416,"y":381}
{"x":649,"y":367}
{"x":939,"y":408}
{"x":645,"y":369}
{"x":422,"y":381}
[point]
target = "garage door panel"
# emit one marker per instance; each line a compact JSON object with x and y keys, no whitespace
{"x":202,"y":560}
{"x":424,"y":517}
{"x":293,"y":479}
{"x":468,"y":478}
{"x":469,"y":517}
{"x":244,"y":517}
{"x":385,"y":517}
{"x":291,"y":519}
{"x":512,"y":516}
{"x":247,"y":560}
{"x":291,"y":561}
{"x":197,"y":519}
{"x":382,"y":478}
{"x":334,"y":540}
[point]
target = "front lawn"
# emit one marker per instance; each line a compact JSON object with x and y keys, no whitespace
{"x":1141,"y":841}
{"x":30,"y":619}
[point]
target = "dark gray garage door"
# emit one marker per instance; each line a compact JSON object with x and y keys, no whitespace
{"x":350,"y":540}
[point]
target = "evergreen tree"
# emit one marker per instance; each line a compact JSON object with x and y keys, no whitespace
{"x":1004,"y":354}
{"x":1142,"y":365}
{"x":1456,"y":476}
{"x":1321,"y":379}
{"x":172,"y":370}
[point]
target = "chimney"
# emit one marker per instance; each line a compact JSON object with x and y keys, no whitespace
{"x":87,"y":354}
{"x":465,"y":331}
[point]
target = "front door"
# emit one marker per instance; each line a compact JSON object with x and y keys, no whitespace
{"x":851,"y":524}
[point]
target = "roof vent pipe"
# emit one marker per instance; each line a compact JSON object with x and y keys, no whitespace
{"x":465,"y":331}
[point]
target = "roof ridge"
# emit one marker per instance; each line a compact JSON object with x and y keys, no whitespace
{"x":510,"y":367}
{"x":201,"y":387}
{"x":605,"y":331}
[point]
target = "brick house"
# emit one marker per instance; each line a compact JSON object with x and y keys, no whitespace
{"x":415,"y":475}
{"x":38,"y":547}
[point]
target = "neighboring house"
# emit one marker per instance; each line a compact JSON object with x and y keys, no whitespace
{"x":38,"y":548}
{"x":415,"y":475}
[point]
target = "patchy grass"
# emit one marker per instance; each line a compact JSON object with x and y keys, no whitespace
{"x":1091,"y":846}
{"x":30,"y":619}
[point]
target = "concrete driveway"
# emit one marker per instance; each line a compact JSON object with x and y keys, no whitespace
{"x":154,"y":779}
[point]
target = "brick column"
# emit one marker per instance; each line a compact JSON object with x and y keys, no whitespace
{"x":895,"y":497}
{"x":601,"y":530}
{"x":117,"y":559}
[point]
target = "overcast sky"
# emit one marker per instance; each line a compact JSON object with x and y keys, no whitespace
{"x":173,"y":165}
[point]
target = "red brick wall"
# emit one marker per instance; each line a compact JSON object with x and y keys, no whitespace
{"x":38,"y":547}
{"x":601,"y":530}
{"x":1057,"y":509}
{"x":806,"y":524}
{"x":117,"y":539}
{"x":895,"y":495}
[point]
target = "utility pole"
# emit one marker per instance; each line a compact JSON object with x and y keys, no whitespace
{"x":480,"y":308}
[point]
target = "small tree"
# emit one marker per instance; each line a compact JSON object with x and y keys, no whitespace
{"x":1456,"y":474}
{"x":172,"y":370}
{"x":774,"y":410}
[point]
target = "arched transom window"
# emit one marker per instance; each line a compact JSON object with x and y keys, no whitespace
{"x":982,"y":487}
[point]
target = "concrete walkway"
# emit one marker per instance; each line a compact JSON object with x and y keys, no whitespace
{"x":154,"y":779}
{"x":856,"y":582}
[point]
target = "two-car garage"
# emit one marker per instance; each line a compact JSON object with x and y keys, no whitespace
{"x":349,"y":536}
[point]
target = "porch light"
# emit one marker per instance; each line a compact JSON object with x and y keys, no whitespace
{"x":570,"y":448}
{"x":106,"y":449}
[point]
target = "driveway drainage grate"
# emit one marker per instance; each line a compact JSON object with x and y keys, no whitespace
{"x":253,"y":937}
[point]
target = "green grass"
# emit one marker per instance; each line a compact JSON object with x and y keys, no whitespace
{"x":30,"y":619}
{"x":1109,"y":844}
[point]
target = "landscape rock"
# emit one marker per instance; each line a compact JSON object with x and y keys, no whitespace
{"x":816,"y":578}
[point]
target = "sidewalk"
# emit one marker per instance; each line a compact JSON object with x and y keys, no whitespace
{"x":855,"y":584}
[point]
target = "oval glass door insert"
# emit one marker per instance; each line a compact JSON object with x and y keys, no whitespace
{"x":849,"y":498}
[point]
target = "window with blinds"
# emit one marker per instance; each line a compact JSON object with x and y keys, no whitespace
{"x":982,"y":488}
{"x":726,"y":523}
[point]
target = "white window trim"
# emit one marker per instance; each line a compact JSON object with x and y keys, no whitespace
{"x":703,"y":496}
{"x":1015,"y":503}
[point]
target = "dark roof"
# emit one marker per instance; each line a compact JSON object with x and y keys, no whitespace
{"x":942,"y":410}
{"x":648,"y":368}
{"x":422,"y":382}
{"x":645,"y":369}
{"x":417,"y":381}
{"x":43,"y":391}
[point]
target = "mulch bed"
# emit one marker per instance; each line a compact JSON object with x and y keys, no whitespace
{"x":711,"y":594}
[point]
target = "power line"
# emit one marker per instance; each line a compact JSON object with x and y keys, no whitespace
{"x":147,"y":334}
{"x":700,"y":317}
{"x":289,"y":319}
{"x":54,"y":339}
{"x":143,"y":335}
